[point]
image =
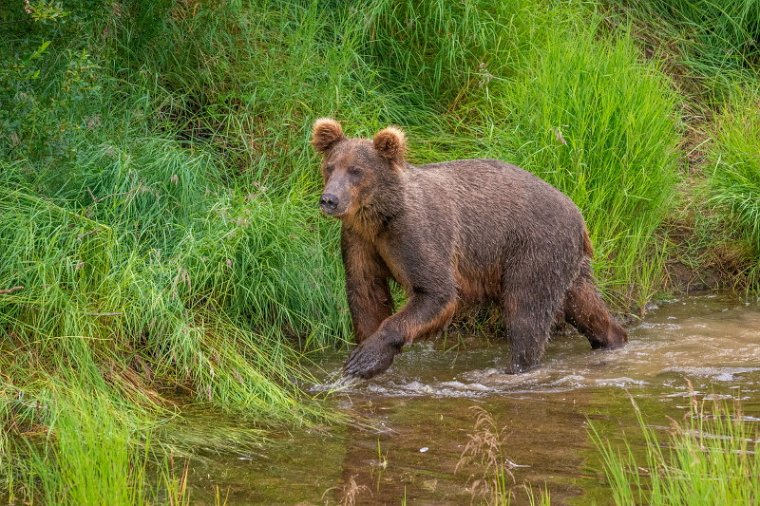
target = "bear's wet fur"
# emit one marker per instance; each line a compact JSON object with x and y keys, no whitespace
{"x":449,"y":233}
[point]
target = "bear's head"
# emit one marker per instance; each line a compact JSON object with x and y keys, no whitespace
{"x":361,"y":176}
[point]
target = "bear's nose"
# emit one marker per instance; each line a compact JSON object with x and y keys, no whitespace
{"x":328,"y":201}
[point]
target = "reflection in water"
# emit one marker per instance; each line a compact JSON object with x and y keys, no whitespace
{"x":708,"y":344}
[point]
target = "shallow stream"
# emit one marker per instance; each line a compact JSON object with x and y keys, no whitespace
{"x":419,"y":413}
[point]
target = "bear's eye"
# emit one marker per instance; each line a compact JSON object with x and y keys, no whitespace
{"x":329,"y":169}
{"x":355,"y":171}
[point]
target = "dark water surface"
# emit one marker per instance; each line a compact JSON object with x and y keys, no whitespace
{"x":421,"y":415}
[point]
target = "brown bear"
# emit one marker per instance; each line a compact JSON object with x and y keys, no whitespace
{"x":453,"y":232}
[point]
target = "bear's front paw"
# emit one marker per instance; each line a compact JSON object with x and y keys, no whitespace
{"x":370,"y":358}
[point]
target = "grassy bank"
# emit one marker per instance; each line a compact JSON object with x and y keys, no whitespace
{"x":712,"y":54}
{"x":157,"y":191}
{"x":710,"y":46}
{"x":734,"y":175}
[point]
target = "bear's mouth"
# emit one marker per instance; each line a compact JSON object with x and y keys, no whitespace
{"x":335,"y":212}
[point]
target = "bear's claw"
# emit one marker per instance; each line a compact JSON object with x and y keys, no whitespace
{"x":369,"y":359}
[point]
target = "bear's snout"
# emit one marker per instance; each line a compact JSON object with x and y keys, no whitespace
{"x":329,"y":203}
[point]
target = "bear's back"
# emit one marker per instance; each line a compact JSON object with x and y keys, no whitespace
{"x":496,"y":208}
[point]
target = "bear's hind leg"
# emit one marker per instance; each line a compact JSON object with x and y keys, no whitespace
{"x":587,"y":312}
{"x":532,"y":297}
{"x":527,"y":327}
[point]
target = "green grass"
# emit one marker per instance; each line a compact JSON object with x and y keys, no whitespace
{"x":91,"y":454}
{"x":158,"y":193}
{"x":166,"y":238}
{"x":710,"y":49}
{"x":709,"y":458}
{"x":95,"y":462}
{"x":715,"y":42}
{"x":438,"y":53}
{"x":734,"y":181}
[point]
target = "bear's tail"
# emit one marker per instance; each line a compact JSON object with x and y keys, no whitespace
{"x":588,"y":249}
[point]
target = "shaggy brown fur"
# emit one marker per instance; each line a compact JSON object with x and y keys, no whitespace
{"x":452,"y":232}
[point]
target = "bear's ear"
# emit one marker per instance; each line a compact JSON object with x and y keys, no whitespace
{"x":325,"y":134}
{"x":390,"y":143}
